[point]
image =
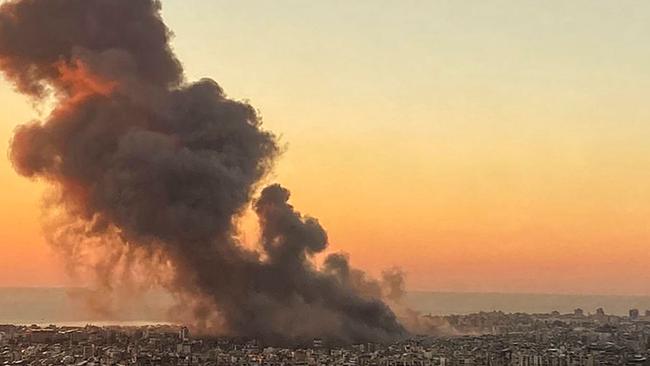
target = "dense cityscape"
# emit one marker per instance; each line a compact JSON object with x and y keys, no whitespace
{"x":486,"y":338}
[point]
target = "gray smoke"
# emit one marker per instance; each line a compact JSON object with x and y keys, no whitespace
{"x":147,"y":166}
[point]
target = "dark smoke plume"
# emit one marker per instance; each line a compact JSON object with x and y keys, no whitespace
{"x":150,"y":169}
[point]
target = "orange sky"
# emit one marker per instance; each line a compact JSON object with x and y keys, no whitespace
{"x":497,"y":147}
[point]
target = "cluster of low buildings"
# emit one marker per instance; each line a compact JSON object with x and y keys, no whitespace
{"x":486,"y":338}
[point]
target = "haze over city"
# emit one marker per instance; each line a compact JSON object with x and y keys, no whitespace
{"x":485,"y":147}
{"x":324,"y":183}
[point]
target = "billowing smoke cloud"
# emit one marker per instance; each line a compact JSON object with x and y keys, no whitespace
{"x":147,"y":167}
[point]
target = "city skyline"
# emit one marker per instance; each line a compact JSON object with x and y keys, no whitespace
{"x":479,"y":339}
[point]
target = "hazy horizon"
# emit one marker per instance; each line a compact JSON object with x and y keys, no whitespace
{"x":59,"y":306}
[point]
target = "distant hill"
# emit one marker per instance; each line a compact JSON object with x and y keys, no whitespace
{"x":67,"y":305}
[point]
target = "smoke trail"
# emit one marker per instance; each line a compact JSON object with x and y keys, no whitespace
{"x":149,"y":167}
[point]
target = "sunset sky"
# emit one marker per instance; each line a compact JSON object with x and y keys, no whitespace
{"x":497,"y":146}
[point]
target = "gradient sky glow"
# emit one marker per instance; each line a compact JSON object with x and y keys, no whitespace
{"x":495,"y":146}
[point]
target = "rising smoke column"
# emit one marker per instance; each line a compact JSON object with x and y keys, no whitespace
{"x":146,"y":163}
